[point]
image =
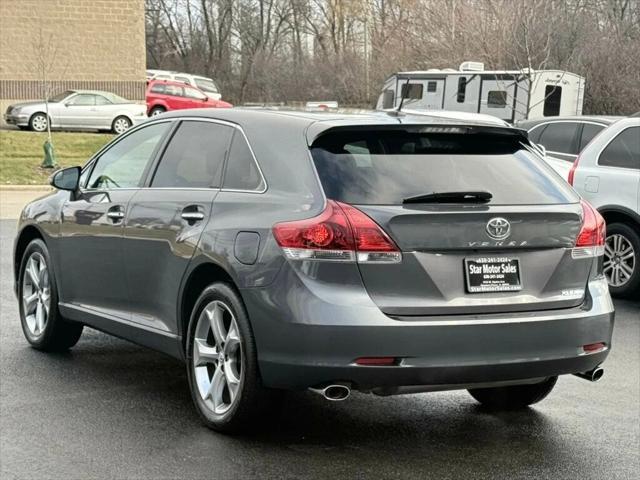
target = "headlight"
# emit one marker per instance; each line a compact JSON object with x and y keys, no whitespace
{"x":14,"y":111}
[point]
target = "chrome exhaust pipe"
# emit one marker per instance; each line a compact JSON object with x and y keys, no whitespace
{"x":592,"y":375}
{"x":333,"y":392}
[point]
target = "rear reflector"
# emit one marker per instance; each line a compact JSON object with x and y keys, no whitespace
{"x":594,"y":347}
{"x":340,"y":233}
{"x":376,"y":361}
{"x":590,"y":240}
{"x":572,"y":172}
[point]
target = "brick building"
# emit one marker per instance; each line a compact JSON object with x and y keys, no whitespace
{"x":98,"y":44}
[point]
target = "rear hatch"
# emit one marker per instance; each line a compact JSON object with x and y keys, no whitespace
{"x":482,"y":223}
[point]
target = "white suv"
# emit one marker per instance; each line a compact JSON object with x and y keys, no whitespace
{"x":607,"y":174}
{"x":207,"y":85}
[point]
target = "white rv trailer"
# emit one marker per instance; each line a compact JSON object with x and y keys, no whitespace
{"x":507,"y":94}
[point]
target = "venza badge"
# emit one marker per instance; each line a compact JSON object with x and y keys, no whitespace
{"x":498,"y":228}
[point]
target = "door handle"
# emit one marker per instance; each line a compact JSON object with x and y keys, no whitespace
{"x":192,"y":214}
{"x":115,"y":213}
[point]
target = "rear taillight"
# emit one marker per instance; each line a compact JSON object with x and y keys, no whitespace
{"x":572,"y":172}
{"x":340,"y":233}
{"x":590,"y":240}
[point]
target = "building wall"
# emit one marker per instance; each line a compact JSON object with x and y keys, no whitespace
{"x":96,"y":44}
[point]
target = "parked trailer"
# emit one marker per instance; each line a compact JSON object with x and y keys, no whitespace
{"x":510,"y":95}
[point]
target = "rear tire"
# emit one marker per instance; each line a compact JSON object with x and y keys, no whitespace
{"x":515,"y":396}
{"x":157,"y":111}
{"x":42,"y":325}
{"x":622,"y":238}
{"x":222,"y":365}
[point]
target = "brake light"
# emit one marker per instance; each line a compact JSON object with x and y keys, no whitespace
{"x":572,"y":172}
{"x":590,"y":240}
{"x":340,"y":233}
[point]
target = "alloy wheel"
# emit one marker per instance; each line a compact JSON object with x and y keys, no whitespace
{"x":121,"y":125}
{"x":619,"y":260}
{"x":39,"y":123}
{"x":218,"y":357}
{"x":36,"y":294}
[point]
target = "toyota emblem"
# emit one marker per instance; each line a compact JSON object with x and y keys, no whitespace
{"x":498,"y":228}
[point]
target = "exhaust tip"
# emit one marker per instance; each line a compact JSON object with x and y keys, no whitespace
{"x":592,"y":375}
{"x":333,"y":392}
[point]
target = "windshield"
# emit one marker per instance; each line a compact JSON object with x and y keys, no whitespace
{"x":384,"y":167}
{"x":113,"y":98}
{"x":206,"y":84}
{"x":59,"y":97}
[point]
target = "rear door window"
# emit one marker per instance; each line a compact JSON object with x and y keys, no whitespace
{"x":623,"y":151}
{"x":382,"y":167}
{"x":560,"y":137}
{"x":194,"y":156}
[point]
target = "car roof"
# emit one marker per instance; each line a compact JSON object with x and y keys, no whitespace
{"x":604,"y":119}
{"x":312,"y":124}
{"x":177,"y":83}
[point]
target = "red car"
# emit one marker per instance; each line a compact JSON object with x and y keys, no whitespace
{"x":163,"y":96}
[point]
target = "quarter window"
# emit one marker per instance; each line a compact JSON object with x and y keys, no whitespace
{"x":560,"y":137}
{"x":123,"y":165}
{"x":623,"y":151}
{"x":387,"y":99}
{"x":242,"y":172}
{"x":100,"y":100}
{"x":194,"y":157}
{"x":432,"y":86}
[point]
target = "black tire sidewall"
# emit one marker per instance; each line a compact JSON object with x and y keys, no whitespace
{"x":633,"y":285}
{"x":39,"y":246}
{"x":229,"y":421}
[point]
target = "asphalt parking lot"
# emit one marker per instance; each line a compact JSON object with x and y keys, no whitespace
{"x":111,"y":409}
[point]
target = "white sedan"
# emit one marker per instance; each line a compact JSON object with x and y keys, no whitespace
{"x":78,"y":110}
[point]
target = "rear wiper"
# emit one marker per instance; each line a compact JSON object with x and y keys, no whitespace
{"x":450,"y":197}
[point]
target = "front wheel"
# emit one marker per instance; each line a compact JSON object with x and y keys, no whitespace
{"x":222,"y":366}
{"x":38,"y":122}
{"x":514,"y":396}
{"x":120,"y":125}
{"x":621,"y":265}
{"x":42,"y":324}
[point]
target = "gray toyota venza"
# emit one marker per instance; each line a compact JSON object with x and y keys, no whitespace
{"x":274,"y":251}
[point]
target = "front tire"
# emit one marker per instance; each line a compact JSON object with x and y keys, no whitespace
{"x":222,"y":365}
{"x":42,"y":325}
{"x":513,"y":397}
{"x":621,"y":260}
{"x":120,"y":125}
{"x":38,"y":122}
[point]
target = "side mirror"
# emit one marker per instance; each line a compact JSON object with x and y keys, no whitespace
{"x":66,"y":104}
{"x":541,"y":148}
{"x":66,"y":179}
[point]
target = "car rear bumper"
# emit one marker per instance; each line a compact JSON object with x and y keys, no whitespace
{"x":308,"y":335}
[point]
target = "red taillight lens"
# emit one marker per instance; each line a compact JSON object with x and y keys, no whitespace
{"x":594,"y":347}
{"x":376,"y":361}
{"x":572,"y":172}
{"x":590,"y":240}
{"x":341,"y":232}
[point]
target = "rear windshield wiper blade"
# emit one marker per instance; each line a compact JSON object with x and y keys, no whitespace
{"x":450,"y":197}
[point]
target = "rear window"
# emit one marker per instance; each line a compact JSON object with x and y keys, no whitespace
{"x":382,"y":167}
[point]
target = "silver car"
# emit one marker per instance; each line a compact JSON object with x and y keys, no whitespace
{"x":78,"y":110}
{"x":607,"y":174}
{"x":272,"y":251}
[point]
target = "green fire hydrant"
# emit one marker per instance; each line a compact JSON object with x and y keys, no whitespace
{"x":49,"y":155}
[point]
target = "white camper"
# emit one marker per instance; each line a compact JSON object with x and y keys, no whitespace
{"x":507,"y":94}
